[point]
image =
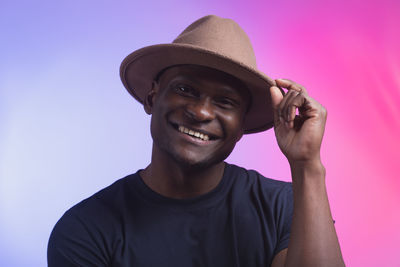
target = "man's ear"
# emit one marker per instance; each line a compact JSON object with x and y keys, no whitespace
{"x":239,"y":136}
{"x":241,"y":132}
{"x":148,"y":102}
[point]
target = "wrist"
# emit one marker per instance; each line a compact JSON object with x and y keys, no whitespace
{"x":310,"y":168}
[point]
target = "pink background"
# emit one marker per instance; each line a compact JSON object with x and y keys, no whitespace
{"x":68,"y":128}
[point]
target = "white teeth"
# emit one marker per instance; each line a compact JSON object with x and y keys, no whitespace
{"x":185,"y":130}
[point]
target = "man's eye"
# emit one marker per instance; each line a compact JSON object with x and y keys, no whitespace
{"x":185,"y":90}
{"x":226,"y":102}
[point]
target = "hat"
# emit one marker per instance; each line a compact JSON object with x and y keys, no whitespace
{"x":213,"y":42}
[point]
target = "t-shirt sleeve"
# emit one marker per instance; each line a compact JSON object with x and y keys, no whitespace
{"x":73,"y":243}
{"x":284,"y":212}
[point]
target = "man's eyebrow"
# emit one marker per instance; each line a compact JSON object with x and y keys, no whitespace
{"x":227,"y":90}
{"x":222,"y":89}
{"x":182,"y":76}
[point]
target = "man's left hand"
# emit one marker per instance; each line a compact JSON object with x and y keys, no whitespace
{"x":299,"y":136}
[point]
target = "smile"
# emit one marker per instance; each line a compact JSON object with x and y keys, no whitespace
{"x":193,"y":133}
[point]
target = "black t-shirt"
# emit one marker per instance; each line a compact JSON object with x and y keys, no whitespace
{"x":244,"y":221}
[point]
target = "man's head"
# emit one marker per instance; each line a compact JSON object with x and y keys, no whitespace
{"x":198,"y":114}
{"x":213,"y":42}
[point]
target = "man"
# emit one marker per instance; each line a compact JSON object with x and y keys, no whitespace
{"x":188,"y":207}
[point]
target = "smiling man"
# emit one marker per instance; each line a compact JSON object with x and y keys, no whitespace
{"x":188,"y":207}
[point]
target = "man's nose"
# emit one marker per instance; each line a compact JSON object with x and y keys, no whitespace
{"x":201,"y":110}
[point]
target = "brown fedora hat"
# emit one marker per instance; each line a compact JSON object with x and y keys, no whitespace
{"x":213,"y":42}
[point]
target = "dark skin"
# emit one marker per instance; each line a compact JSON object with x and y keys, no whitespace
{"x":203,"y":100}
{"x":214,"y":105}
{"x":313,"y":239}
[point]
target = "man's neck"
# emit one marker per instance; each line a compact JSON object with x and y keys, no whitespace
{"x":170,"y":179}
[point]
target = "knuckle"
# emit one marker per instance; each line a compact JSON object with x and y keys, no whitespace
{"x":301,"y":86}
{"x":324,"y":111}
{"x":292,"y":92}
{"x":288,"y":80}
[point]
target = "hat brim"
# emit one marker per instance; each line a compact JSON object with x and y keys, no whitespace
{"x":140,"y":68}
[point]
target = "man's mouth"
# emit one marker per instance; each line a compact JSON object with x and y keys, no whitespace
{"x":198,"y":134}
{"x":194,"y":133}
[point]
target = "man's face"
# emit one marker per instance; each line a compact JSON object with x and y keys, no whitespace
{"x":197,"y":114}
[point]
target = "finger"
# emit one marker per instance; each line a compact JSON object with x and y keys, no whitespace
{"x":276,"y":98}
{"x":284,"y":109}
{"x":283,"y":105}
{"x":291,"y":115}
{"x":296,"y":102}
{"x":306,"y":105}
{"x":289,"y":84}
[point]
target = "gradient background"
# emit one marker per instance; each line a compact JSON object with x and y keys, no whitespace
{"x":68,"y":128}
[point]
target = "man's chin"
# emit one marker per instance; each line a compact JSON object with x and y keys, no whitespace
{"x":192,"y":164}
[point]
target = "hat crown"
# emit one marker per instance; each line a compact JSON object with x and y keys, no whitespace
{"x":219,"y":35}
{"x":212,"y":42}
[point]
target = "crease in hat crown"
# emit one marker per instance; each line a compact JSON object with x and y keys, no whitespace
{"x":213,"y":42}
{"x":220,"y":35}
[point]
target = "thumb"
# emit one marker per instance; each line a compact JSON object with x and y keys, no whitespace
{"x":276,"y":98}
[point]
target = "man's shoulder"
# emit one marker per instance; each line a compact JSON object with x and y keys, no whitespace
{"x":90,"y":226}
{"x":106,"y":199}
{"x":253,"y":177}
{"x":252,"y":189}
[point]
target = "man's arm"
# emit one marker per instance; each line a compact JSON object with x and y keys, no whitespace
{"x":313,"y":239}
{"x":74,"y":242}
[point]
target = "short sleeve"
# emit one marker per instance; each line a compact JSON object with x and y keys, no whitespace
{"x":72,"y":243}
{"x":284,"y":215}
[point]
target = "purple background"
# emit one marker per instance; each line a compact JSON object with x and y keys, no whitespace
{"x":68,"y":127}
